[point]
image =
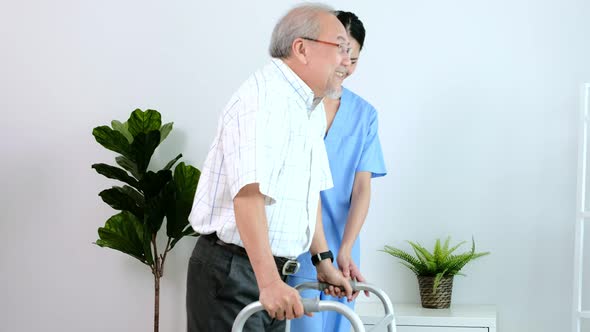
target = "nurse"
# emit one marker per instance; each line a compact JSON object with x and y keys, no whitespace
{"x":355,"y":157}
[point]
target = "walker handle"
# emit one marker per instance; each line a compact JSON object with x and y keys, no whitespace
{"x":389,"y":318}
{"x":315,"y":305}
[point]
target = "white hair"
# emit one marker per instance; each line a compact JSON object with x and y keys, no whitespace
{"x":301,"y":21}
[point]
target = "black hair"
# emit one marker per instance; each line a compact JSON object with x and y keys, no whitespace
{"x":353,"y":26}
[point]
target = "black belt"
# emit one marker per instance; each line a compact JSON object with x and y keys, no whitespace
{"x":285,"y":266}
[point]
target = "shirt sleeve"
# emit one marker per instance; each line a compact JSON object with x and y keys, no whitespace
{"x":371,"y":156}
{"x":245,"y":159}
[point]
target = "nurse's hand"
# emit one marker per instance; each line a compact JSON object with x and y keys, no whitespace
{"x":327,"y":273}
{"x":350,"y":270}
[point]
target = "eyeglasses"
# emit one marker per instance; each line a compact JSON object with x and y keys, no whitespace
{"x":342,"y":48}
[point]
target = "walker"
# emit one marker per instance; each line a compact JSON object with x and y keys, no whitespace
{"x":315,"y":305}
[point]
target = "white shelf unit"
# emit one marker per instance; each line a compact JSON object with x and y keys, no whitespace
{"x":414,"y":318}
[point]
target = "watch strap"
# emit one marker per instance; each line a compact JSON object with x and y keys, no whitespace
{"x":317,"y":258}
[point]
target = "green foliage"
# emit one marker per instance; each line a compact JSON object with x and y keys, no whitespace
{"x":147,"y":197}
{"x":123,"y":232}
{"x":439,"y":263}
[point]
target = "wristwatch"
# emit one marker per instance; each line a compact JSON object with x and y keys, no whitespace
{"x":317,"y":258}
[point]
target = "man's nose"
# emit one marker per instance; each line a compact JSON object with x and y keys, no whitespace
{"x":346,"y":60}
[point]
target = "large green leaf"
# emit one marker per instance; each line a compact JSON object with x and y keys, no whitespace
{"x":129,"y":165}
{"x":112,"y":140}
{"x":185,"y":182}
{"x":123,"y":129}
{"x":116,"y":173}
{"x":120,"y":199}
{"x":143,"y":148}
{"x":172,"y":162}
{"x":188,"y":231}
{"x":165,"y":130}
{"x":153,"y":183}
{"x":123,"y":232}
{"x":144,"y":122}
{"x":135,"y":195}
{"x":155,"y":211}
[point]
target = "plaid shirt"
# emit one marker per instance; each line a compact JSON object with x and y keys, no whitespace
{"x":268,"y":134}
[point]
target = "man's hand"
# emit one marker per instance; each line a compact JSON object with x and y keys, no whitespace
{"x":350,"y":270}
{"x":281,"y":301}
{"x":329,"y":274}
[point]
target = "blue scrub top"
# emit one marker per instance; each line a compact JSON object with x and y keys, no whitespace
{"x":352,"y":144}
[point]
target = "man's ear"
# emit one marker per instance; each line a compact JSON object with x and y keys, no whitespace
{"x":299,"y":51}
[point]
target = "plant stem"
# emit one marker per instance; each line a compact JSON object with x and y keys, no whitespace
{"x":157,"y":274}
{"x":156,"y":258}
{"x":157,"y":303}
{"x":164,"y":257}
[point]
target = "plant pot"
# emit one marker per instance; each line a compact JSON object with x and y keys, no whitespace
{"x":441,"y":299}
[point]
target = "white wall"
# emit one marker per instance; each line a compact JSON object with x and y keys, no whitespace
{"x":478,"y":106}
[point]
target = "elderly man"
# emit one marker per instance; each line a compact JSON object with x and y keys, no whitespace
{"x":257,"y":204}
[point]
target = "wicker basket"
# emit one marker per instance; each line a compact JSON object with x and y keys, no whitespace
{"x":439,"y":300}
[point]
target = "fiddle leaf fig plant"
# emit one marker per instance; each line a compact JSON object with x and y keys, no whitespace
{"x":146,"y":198}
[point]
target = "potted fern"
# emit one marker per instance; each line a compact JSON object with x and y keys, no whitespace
{"x":435,"y":270}
{"x":147,"y":197}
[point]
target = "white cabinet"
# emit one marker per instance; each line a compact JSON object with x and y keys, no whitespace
{"x":438,"y":329}
{"x":414,"y":318}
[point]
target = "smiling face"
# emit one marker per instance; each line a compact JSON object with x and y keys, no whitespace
{"x":328,"y":63}
{"x":335,"y":91}
{"x":356,"y":35}
{"x":354,"y":56}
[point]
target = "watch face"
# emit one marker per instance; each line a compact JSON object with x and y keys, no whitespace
{"x":290,"y":267}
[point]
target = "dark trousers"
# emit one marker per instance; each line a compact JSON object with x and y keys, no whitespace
{"x":220,"y":283}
